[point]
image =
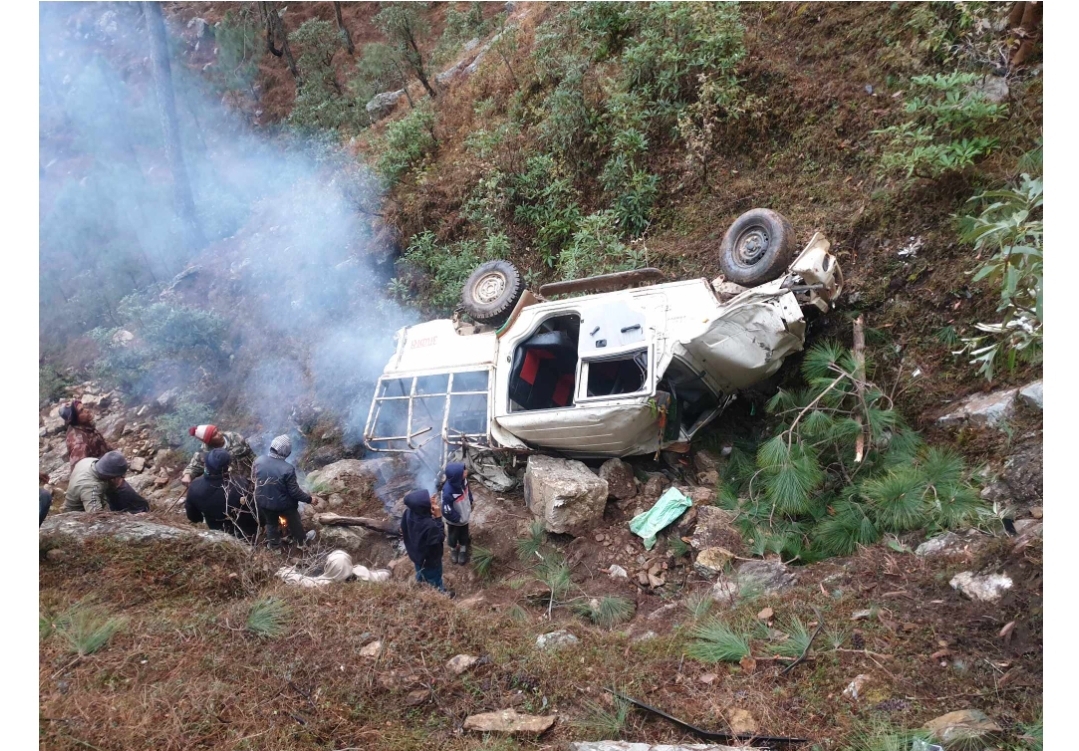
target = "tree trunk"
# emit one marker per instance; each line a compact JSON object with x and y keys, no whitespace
{"x":341,"y":25}
{"x":166,"y":103}
{"x":275,"y":27}
{"x":1029,"y":31}
{"x":418,"y":67}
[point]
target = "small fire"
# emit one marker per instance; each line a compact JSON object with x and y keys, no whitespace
{"x":282,"y":522}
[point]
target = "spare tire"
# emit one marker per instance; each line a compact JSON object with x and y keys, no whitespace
{"x":757,"y":248}
{"x":491,"y":291}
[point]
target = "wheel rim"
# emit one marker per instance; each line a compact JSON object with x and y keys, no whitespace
{"x":489,"y":288}
{"x":751,"y":245}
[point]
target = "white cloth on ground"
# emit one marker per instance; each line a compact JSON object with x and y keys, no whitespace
{"x":338,"y":568}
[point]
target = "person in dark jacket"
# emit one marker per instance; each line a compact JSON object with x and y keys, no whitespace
{"x":423,"y":537}
{"x":456,"y":511}
{"x":220,"y":500}
{"x":278,"y":494}
{"x":44,"y":497}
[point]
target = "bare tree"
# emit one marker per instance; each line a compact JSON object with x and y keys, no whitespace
{"x":166,"y":102}
{"x":344,"y":29}
{"x":275,"y":28}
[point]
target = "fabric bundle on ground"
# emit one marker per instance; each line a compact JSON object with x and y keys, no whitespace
{"x":338,"y":568}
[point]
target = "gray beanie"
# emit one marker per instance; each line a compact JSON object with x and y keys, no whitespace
{"x":111,"y":465}
{"x":280,"y":447}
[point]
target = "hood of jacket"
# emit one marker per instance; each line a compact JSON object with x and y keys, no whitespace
{"x":418,"y":502}
{"x":455,"y":477}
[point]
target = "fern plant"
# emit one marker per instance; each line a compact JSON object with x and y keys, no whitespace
{"x":841,"y":469}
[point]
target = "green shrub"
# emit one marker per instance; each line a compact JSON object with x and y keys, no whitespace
{"x":172,"y":426}
{"x":268,"y":617}
{"x":407,"y":141}
{"x":546,"y":200}
{"x":596,"y":249}
{"x":88,"y":628}
{"x":1008,"y":230}
{"x":52,"y":384}
{"x":807,"y":494}
{"x":238,"y":49}
{"x":944,"y":130}
{"x":605,"y":611}
{"x":448,"y":266}
{"x":602,"y":722}
{"x":321,"y":102}
{"x":717,"y":642}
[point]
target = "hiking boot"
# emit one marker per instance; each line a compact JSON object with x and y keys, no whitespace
{"x":464,"y":557}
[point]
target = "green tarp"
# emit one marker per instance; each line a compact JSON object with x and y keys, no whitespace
{"x":669,"y":507}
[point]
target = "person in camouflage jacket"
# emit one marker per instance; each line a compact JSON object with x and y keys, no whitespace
{"x":212,"y":438}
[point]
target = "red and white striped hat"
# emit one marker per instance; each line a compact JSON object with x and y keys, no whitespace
{"x":204,"y":433}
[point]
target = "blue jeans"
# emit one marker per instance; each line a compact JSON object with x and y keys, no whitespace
{"x":432,"y":576}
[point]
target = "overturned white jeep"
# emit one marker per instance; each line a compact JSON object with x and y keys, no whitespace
{"x":635,"y":367}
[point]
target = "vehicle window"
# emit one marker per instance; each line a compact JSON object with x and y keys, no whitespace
{"x":543,"y":374}
{"x":435,"y":384}
{"x":468,"y":414}
{"x":396,"y":387}
{"x":457,"y":401}
{"x":391,"y":423}
{"x":470,"y":381}
{"x":621,"y":375}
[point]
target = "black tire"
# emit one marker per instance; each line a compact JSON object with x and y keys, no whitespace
{"x":491,"y":291}
{"x":758,"y":248}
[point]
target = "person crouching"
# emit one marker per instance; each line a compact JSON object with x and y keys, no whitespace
{"x":423,"y":537}
{"x":220,"y":500}
{"x":278,"y":494}
{"x":457,"y":510}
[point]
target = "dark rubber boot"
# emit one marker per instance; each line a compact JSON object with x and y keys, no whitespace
{"x":453,"y":555}
{"x":464,"y":557}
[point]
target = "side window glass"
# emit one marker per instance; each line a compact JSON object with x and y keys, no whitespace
{"x":627,"y":374}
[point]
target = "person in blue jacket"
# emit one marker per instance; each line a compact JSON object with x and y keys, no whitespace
{"x":423,"y":537}
{"x":456,"y":511}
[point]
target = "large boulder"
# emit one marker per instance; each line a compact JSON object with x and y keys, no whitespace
{"x":619,"y":477}
{"x":127,"y":528}
{"x":350,"y":475}
{"x":984,"y":588}
{"x":383,"y":104}
{"x":764,"y":577}
{"x":564,"y":494}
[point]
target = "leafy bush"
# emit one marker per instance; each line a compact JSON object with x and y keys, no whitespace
{"x":596,"y":249}
{"x":1009,"y":228}
{"x":448,"y":266}
{"x":841,"y":469}
{"x":172,"y":426}
{"x":944,"y":130}
{"x":238,"y":49}
{"x":52,"y":384}
{"x":545,"y":199}
{"x":268,"y":617}
{"x":406,"y":142}
{"x":321,"y":102}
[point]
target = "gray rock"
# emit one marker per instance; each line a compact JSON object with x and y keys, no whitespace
{"x":711,"y":562}
{"x":450,"y":73}
{"x":510,"y":7}
{"x":619,"y":477}
{"x":461,"y":663}
{"x":53,"y":425}
{"x":167,"y":398}
{"x":617,"y":572}
{"x":982,"y":409}
{"x":350,"y":539}
{"x":948,"y":543}
{"x":764,"y":577}
{"x":653,"y":488}
{"x":201,"y":27}
{"x":715,"y":529}
{"x":1031,"y":395}
{"x":987,"y":588}
{"x":629,"y":746}
{"x":1022,"y":475}
{"x":706,"y":461}
{"x":564,"y":494}
{"x":509,"y":722}
{"x":128,"y":528}
{"x":140,"y":482}
{"x":350,"y":474}
{"x":961,"y":727}
{"x":136,"y":465}
{"x":382,"y":104}
{"x":555,"y":640}
{"x":994,"y":88}
{"x":725,"y":590}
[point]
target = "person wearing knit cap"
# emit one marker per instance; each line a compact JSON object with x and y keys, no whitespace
{"x":223,"y":502}
{"x":278,"y":495}
{"x":212,"y":438}
{"x":91,"y":481}
{"x":82,"y":438}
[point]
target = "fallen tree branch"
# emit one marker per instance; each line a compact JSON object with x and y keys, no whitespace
{"x":377,"y":525}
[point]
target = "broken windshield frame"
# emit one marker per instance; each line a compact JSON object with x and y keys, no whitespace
{"x":406,"y":411}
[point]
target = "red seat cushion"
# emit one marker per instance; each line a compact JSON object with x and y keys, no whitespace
{"x":563,"y":390}
{"x":531,"y":364}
